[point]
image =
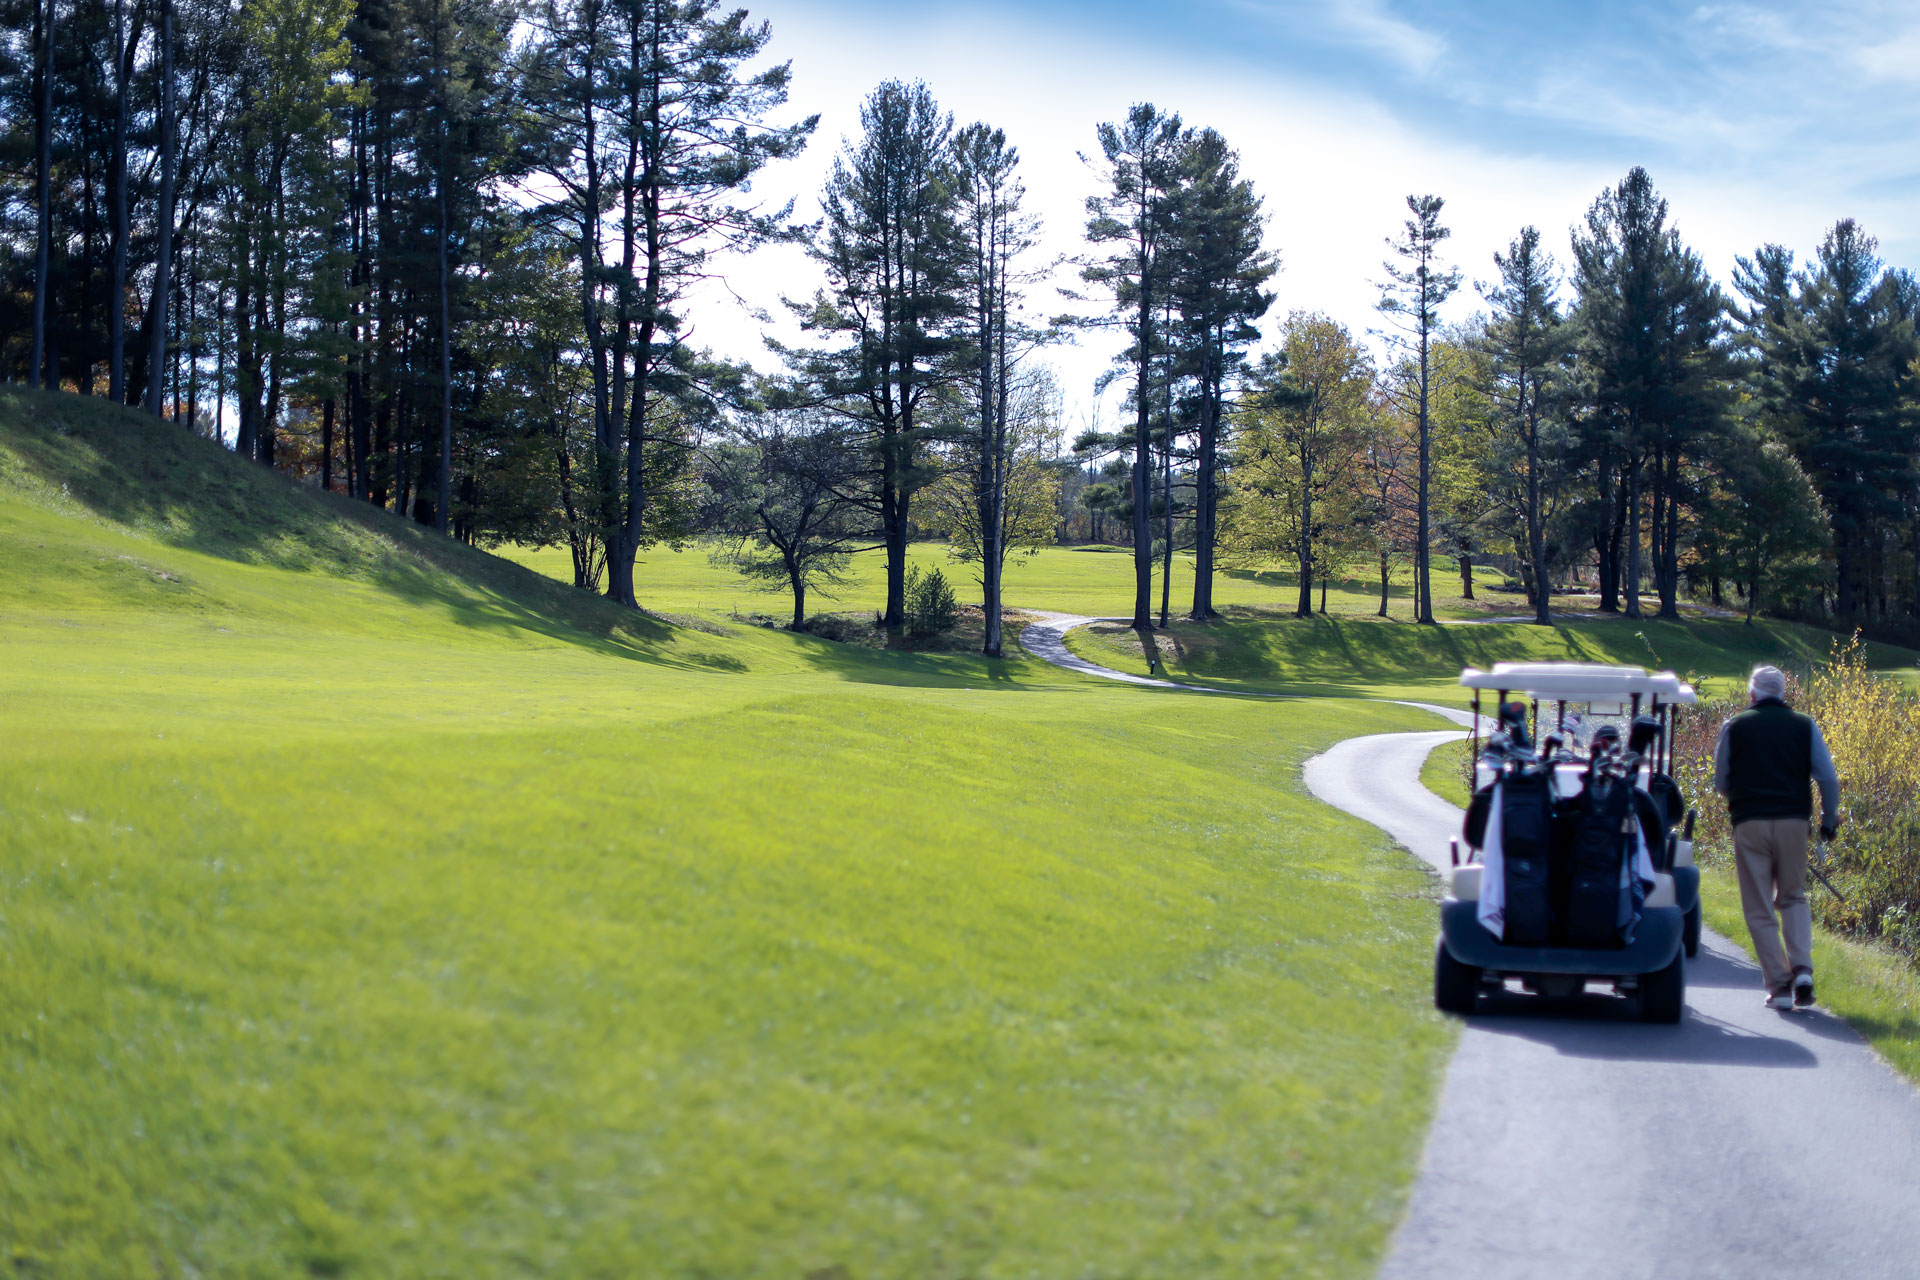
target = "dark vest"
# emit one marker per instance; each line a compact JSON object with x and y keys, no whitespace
{"x":1769,"y":764}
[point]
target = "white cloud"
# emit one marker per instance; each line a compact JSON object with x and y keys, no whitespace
{"x":1370,"y":25}
{"x":1334,"y":165}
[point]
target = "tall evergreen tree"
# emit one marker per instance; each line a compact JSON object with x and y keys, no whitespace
{"x":895,"y":299}
{"x":995,"y":234}
{"x":1527,"y":345}
{"x":1649,"y":320}
{"x":163,"y":217}
{"x":38,"y":366}
{"x":1140,"y":175}
{"x":1217,"y":278}
{"x":1834,"y":373}
{"x":1415,"y":289}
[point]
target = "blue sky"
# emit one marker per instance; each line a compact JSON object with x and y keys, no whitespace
{"x":1759,"y":122}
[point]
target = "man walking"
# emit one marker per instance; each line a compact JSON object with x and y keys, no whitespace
{"x":1763,"y":763}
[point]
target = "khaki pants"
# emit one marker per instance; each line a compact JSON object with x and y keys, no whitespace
{"x":1771,"y":855}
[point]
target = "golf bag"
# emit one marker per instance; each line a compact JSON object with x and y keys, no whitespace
{"x":1527,"y":849}
{"x":1603,"y":898}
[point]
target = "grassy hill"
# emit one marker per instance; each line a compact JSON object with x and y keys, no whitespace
{"x":374,"y":906}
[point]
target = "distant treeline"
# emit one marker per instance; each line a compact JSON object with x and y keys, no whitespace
{"x":437,"y":255}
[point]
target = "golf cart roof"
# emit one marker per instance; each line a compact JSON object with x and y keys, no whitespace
{"x":1580,"y":682}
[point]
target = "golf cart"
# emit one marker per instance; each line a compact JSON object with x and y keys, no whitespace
{"x":1579,"y":859}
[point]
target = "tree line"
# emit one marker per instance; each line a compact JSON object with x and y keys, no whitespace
{"x":439,"y":256}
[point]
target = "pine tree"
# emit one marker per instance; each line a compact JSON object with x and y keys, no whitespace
{"x":1140,"y":173}
{"x":1415,"y":289}
{"x":995,"y":234}
{"x":1217,"y":278}
{"x":1835,"y":348}
{"x":1527,"y":343}
{"x":895,"y":299}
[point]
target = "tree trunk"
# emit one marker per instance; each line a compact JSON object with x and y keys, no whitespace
{"x":1536,"y":532}
{"x":1303,"y":608}
{"x":1670,"y":541}
{"x":220,"y":363}
{"x":1166,"y":522}
{"x":1422,"y":575}
{"x":632,"y":532}
{"x":37,"y":367}
{"x":326,"y":445}
{"x":1466,"y":575}
{"x":1633,"y":535}
{"x":117,"y":294}
{"x":246,"y":368}
{"x":192,"y":345}
{"x":443,"y":500}
{"x":1843,"y":561}
{"x":996,"y":463}
{"x":1386,"y":578}
{"x":1606,"y":539}
{"x":163,"y":252}
{"x":798,"y":581}
{"x":359,"y":429}
{"x":1204,"y":498}
{"x":1142,"y":494}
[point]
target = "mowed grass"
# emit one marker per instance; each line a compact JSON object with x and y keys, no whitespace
{"x":374,"y":907}
{"x":1258,"y":651}
{"x":1445,"y":772}
{"x":1095,"y":581}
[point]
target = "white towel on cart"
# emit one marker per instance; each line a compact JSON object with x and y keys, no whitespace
{"x":1492,"y":912}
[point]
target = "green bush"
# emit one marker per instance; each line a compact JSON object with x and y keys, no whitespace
{"x":931,"y":608}
{"x":1872,"y":726}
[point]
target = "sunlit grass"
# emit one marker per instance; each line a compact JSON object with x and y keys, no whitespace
{"x":1261,"y":651}
{"x":1095,"y":581}
{"x":372,"y":907}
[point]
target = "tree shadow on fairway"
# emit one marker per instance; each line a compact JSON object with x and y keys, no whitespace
{"x":183,"y":491}
{"x":920,"y":670}
{"x":1271,"y":650}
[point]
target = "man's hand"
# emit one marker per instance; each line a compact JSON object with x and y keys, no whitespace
{"x":1829,"y":832}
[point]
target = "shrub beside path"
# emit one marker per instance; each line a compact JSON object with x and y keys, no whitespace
{"x":1573,"y":1141}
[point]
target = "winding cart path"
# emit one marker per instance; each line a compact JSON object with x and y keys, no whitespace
{"x":1572,"y":1142}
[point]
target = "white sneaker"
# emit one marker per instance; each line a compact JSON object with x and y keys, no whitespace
{"x":1803,"y":989}
{"x":1783,"y":1002}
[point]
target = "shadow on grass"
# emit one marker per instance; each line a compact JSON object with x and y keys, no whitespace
{"x":189,"y":492}
{"x":1255,"y":649}
{"x":906,"y":668}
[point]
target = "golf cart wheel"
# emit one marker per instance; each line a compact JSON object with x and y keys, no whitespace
{"x":1663,"y":995}
{"x":1690,"y":931}
{"x":1456,"y":986}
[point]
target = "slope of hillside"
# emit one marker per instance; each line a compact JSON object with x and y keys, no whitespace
{"x":373,"y":907}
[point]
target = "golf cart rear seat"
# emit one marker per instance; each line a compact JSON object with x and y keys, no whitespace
{"x":1463,"y":883}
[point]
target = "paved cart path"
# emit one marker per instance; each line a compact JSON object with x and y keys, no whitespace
{"x":1572,"y":1142}
{"x":1046,"y":639}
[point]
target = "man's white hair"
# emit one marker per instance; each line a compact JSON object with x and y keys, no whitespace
{"x":1767,"y":682}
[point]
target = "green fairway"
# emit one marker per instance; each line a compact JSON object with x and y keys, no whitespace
{"x":1096,"y":581}
{"x":1260,"y":651}
{"x":376,"y":907}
